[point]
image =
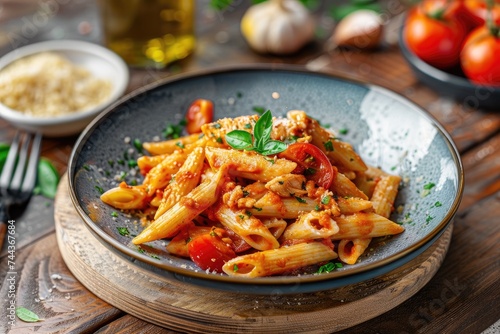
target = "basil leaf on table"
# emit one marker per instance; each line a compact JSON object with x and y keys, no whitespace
{"x":26,"y":315}
{"x":47,"y":180}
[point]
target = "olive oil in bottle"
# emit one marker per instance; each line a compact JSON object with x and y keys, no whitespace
{"x":149,"y":33}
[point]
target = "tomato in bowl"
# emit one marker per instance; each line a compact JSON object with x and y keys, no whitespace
{"x":451,"y":53}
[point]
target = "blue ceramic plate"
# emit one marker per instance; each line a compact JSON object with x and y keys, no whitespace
{"x":386,"y":129}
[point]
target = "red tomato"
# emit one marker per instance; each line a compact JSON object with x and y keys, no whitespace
{"x":210,"y":252}
{"x":437,"y":41}
{"x":479,"y":58}
{"x":312,"y":161}
{"x":200,"y":112}
{"x":478,"y":12}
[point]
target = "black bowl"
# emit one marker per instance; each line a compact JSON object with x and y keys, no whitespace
{"x":451,"y":83}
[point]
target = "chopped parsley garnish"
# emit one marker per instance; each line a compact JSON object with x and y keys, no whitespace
{"x":299,"y":199}
{"x":256,"y":208}
{"x":235,"y":268}
{"x":99,"y":189}
{"x":248,"y":126}
{"x":325,"y":200}
{"x":216,"y":126}
{"x":343,"y":131}
{"x":438,"y":204}
{"x":328,"y":146}
{"x":114,"y":214}
{"x":179,"y":144}
{"x":138,"y":145}
{"x":429,"y":186}
{"x":245,"y":193}
{"x":330,"y":266}
{"x":173,"y":131}
{"x":123,"y":231}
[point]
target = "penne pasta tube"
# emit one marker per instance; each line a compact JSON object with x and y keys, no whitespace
{"x":249,"y":165}
{"x":248,"y":227}
{"x":311,"y":225}
{"x":275,"y":225}
{"x":183,"y":181}
{"x":272,"y":205}
{"x":352,"y":205}
{"x":343,"y":187}
{"x":146,"y":162}
{"x":126,"y":197}
{"x":159,"y":176}
{"x":197,"y":201}
{"x":279,"y":261}
{"x":364,"y":225}
{"x":384,"y":195}
{"x":350,"y":250}
{"x":340,"y":153}
{"x":171,"y":145}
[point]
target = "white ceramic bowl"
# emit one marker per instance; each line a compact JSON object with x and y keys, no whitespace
{"x":100,"y":61}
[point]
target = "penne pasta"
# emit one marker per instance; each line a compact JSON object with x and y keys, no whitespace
{"x":261,"y":207}
{"x":384,"y":195}
{"x":197,"y":201}
{"x":279,"y":261}
{"x":249,"y":165}
{"x":160,"y":175}
{"x":311,"y":225}
{"x":126,"y":197}
{"x":248,"y":227}
{"x":183,"y":181}
{"x":169,"y":146}
{"x":349,"y":250}
{"x":364,"y":225}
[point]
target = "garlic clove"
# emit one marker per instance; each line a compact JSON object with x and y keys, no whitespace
{"x":361,"y":29}
{"x":277,"y":26}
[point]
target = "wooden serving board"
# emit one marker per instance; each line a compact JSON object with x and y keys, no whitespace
{"x":165,"y":301}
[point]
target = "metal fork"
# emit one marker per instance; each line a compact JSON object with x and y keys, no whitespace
{"x":18,"y":176}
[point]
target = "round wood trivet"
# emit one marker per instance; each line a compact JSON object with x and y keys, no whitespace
{"x":156,"y":296}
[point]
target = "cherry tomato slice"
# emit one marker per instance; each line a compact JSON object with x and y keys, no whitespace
{"x":200,"y":112}
{"x":312,"y":161}
{"x":210,"y":252}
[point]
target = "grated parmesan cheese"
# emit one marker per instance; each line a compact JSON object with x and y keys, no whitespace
{"x":47,"y":84}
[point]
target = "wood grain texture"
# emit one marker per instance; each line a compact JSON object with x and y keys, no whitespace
{"x":172,"y":304}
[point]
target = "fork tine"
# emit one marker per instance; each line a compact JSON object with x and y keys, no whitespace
{"x":31,"y":170}
{"x":10,"y":162}
{"x":21,"y":163}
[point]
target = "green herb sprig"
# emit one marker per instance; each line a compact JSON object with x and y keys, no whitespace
{"x":261,"y":141}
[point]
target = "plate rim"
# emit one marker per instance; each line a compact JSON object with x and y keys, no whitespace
{"x":286,"y":68}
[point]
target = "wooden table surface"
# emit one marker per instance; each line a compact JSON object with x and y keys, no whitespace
{"x":463,"y":296}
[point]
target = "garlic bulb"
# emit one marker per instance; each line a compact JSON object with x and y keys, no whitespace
{"x":277,"y":26}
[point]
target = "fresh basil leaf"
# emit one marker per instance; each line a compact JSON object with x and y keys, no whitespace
{"x":262,"y":129}
{"x":239,"y":139}
{"x":48,"y":178}
{"x":274,"y":147}
{"x":26,"y":315}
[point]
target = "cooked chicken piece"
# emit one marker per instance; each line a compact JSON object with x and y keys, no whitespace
{"x":288,"y":185}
